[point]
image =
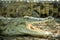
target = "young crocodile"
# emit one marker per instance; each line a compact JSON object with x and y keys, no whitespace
{"x":22,"y":26}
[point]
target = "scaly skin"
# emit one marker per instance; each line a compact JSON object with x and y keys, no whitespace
{"x":21,"y":26}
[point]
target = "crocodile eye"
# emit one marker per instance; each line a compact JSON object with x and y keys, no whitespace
{"x":32,"y":27}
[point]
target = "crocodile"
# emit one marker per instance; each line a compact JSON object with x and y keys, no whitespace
{"x":23,"y":26}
